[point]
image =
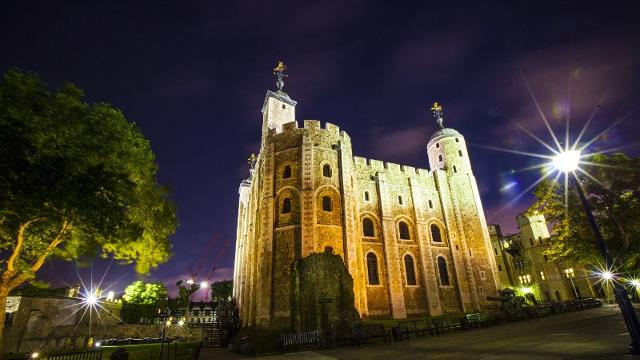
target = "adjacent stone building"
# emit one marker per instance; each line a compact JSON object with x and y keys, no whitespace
{"x":415,"y":241}
{"x":522,"y":264}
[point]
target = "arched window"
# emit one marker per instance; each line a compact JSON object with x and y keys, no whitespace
{"x":326,"y":203}
{"x":403,"y":231}
{"x":367,"y":227}
{"x":366,"y":196}
{"x":444,"y":272}
{"x":286,"y":206}
{"x":440,"y":158}
{"x":372,"y":269}
{"x":410,"y":270}
{"x":287,"y":172}
{"x":435,"y":233}
{"x":326,"y":170}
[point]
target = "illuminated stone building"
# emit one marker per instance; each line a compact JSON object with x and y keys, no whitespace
{"x":415,"y":241}
{"x":523,"y":266}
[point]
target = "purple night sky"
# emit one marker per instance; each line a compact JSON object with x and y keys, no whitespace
{"x":193,"y":76}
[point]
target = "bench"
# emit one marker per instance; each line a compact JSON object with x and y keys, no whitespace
{"x":80,"y":355}
{"x":418,"y":327}
{"x":300,"y":339}
{"x":483,"y":319}
{"x":446,"y":323}
{"x":370,"y":331}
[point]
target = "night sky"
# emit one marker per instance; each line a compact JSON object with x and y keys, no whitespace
{"x":193,"y":76}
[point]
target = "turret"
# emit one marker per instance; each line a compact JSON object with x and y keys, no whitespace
{"x":447,"y":149}
{"x":278,"y":108}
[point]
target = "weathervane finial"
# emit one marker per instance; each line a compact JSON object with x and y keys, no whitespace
{"x":437,"y":113}
{"x":278,"y":71}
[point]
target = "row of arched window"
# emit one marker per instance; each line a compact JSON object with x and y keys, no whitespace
{"x":368,"y":230}
{"x":409,"y":268}
{"x":326,"y":171}
{"x":327,"y":205}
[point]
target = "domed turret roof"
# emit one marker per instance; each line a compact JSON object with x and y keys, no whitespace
{"x":443,"y":133}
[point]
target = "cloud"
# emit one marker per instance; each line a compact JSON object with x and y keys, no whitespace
{"x":400,"y":144}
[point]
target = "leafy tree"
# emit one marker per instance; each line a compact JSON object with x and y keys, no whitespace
{"x":142,"y":293}
{"x":185,"y":290}
{"x":221,"y":290}
{"x":76,"y":180}
{"x":615,"y":200}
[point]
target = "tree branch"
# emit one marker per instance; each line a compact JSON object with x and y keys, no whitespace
{"x":56,"y":241}
{"x":19,"y":243}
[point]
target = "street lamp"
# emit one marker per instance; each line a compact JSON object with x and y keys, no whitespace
{"x":567,"y":162}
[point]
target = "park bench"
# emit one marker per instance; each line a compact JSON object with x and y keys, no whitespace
{"x":363,"y":332}
{"x":482,"y":319}
{"x":445,"y":323}
{"x":417,"y":326}
{"x":300,"y":339}
{"x":80,"y":355}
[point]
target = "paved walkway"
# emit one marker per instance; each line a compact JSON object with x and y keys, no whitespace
{"x":589,"y":334}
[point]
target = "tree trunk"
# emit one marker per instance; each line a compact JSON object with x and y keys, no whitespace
{"x":4,"y":293}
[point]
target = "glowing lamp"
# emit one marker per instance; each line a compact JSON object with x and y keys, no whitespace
{"x":567,"y":161}
{"x":635,"y":283}
{"x":190,"y":282}
{"x":204,"y":284}
{"x":181,"y":322}
{"x":98,"y":344}
{"x":527,"y":290}
{"x":91,"y":299}
{"x":606,"y":275}
{"x":35,"y":355}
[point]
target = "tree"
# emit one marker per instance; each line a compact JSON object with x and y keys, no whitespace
{"x":615,"y":199}
{"x":143,"y":301}
{"x":76,"y":180}
{"x":221,"y":290}
{"x":184,"y":295}
{"x":142,"y":293}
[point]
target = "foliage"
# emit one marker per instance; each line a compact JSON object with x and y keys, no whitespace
{"x":185,"y":291}
{"x":142,"y":293}
{"x":222,"y":290}
{"x":615,"y":200}
{"x":76,"y":179}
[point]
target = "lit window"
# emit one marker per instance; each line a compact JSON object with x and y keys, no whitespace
{"x":409,"y":270}
{"x":436,"y":236}
{"x":326,"y":170}
{"x":569,"y":273}
{"x":326,"y":203}
{"x":542,"y":275}
{"x":443,"y":272}
{"x":372,"y":269}
{"x":286,"y":206}
{"x":367,"y":228}
{"x":403,"y":230}
{"x":287,"y":172}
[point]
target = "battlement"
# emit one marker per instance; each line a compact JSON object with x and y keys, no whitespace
{"x":316,"y":125}
{"x":389,"y":167}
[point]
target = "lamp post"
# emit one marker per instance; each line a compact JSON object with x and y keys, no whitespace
{"x":567,"y":162}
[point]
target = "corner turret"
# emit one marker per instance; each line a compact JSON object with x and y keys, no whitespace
{"x":447,"y":149}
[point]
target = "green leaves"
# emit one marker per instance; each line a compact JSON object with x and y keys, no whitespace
{"x":66,"y":160}
{"x":142,"y":293}
{"x":613,"y":192}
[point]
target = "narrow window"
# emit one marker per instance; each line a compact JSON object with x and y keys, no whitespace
{"x":326,"y":170}
{"x":457,"y":139}
{"x":399,"y":200}
{"x":546,"y":258}
{"x":409,"y":270}
{"x":495,"y":250}
{"x":460,"y":153}
{"x":440,"y":158}
{"x":326,"y":203}
{"x":437,"y":145}
{"x":499,"y":267}
{"x":531,"y":241}
{"x":430,"y":204}
{"x":287,"y":172}
{"x":284,"y":106}
{"x":366,"y":196}
{"x":444,"y":273}
{"x":542,"y":275}
{"x":286,"y":206}
{"x":558,"y":297}
{"x":403,"y":230}
{"x":372,"y":269}
{"x":436,"y":236}
{"x":367,"y":227}
{"x":455,"y":170}
{"x":483,"y":275}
